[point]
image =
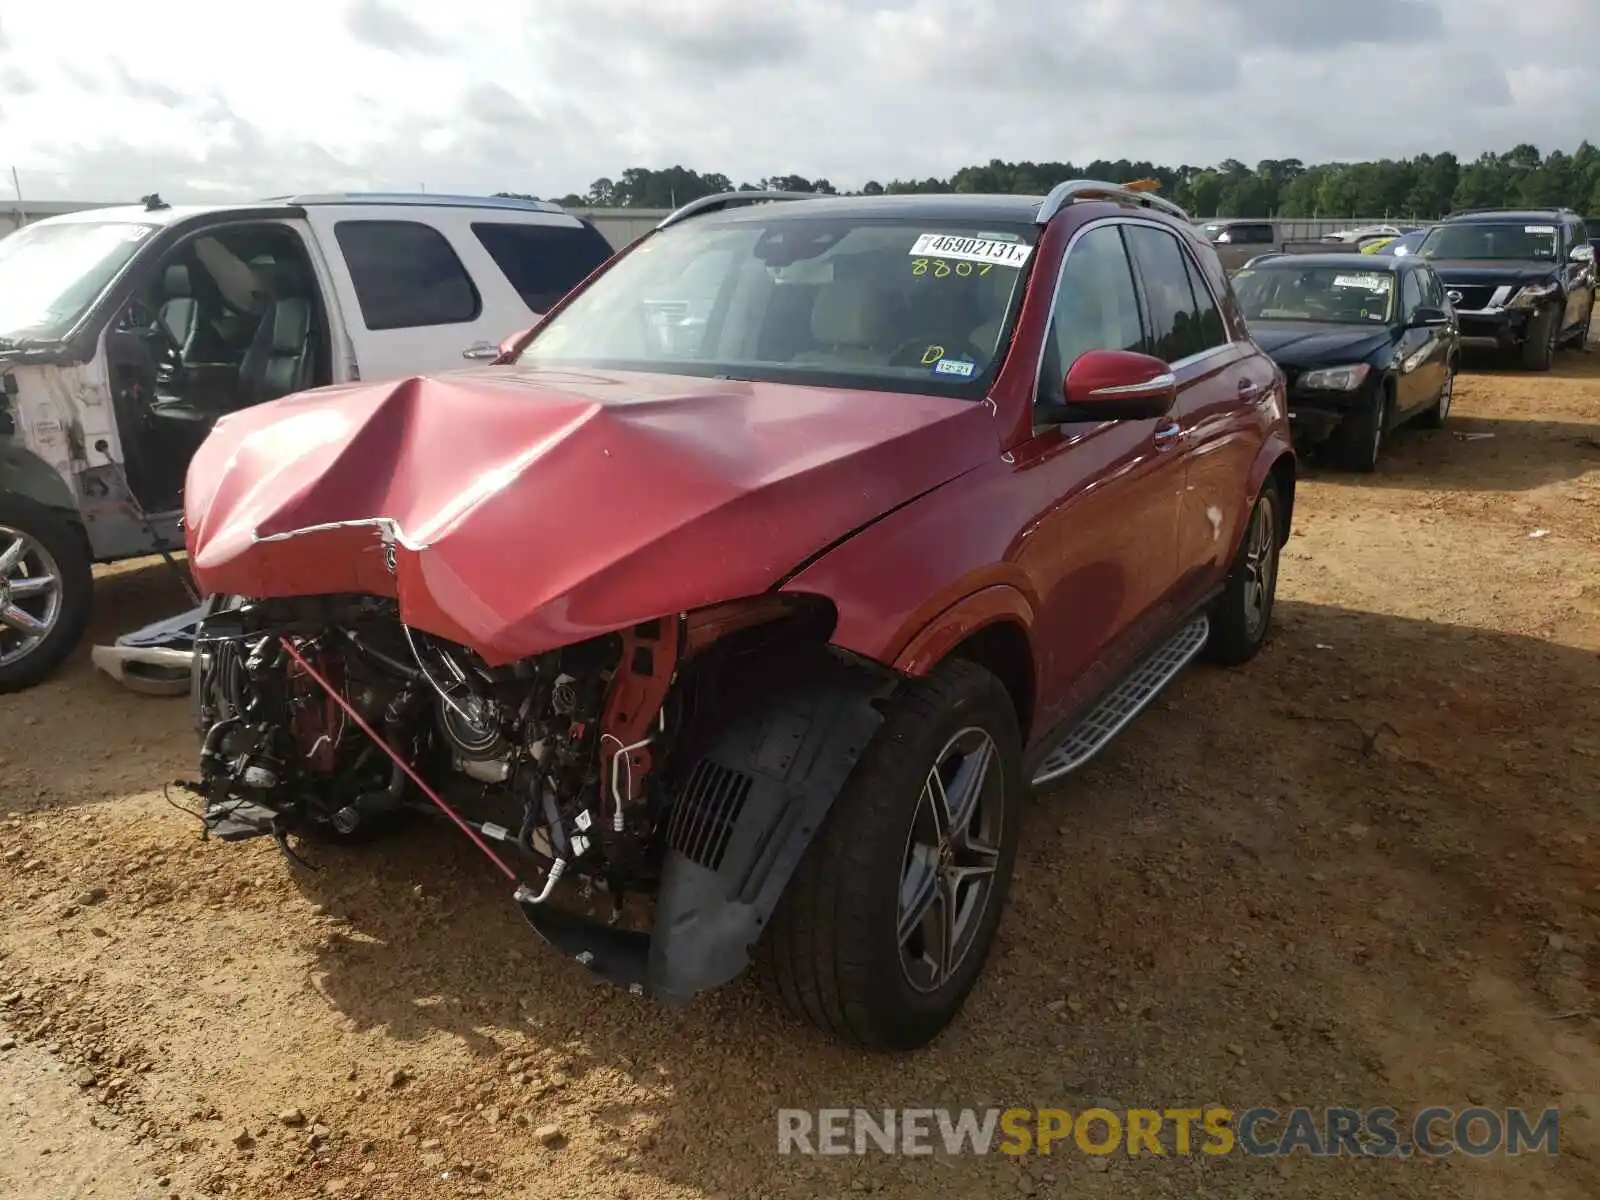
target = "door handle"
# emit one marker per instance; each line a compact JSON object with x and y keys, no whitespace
{"x":1168,"y":436}
{"x":481,"y":351}
{"x":1248,"y":388}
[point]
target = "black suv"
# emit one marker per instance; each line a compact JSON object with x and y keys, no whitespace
{"x":1519,"y":279}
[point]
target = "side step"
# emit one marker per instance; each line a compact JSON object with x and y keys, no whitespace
{"x":1119,"y":706}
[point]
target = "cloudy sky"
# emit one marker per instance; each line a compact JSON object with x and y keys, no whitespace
{"x":198,"y":99}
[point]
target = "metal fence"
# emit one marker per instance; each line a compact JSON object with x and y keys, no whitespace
{"x":623,"y":226}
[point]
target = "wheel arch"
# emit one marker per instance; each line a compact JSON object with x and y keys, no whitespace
{"x":989,"y":627}
{"x":24,"y":475}
{"x":1284,"y":472}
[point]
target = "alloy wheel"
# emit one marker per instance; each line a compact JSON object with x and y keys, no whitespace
{"x":952,"y":855}
{"x":30,"y":594}
{"x":1260,"y":564}
{"x":1447,"y":395}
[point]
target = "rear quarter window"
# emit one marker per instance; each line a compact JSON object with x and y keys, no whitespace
{"x":543,"y":262}
{"x":406,"y":275}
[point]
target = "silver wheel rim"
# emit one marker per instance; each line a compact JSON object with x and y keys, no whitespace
{"x":1447,"y":395}
{"x":30,"y":594}
{"x":1377,"y":431}
{"x":1260,"y":565}
{"x":952,"y":856}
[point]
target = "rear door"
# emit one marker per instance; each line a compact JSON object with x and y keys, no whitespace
{"x":1216,"y":422}
{"x":1580,"y":279}
{"x":420,"y":288}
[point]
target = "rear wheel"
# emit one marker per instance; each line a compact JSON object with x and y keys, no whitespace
{"x":46,"y":591}
{"x":1241,"y":618}
{"x":885,"y":927}
{"x":1436,"y":415}
{"x":1544,"y":330}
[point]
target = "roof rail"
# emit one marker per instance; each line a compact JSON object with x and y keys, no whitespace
{"x":1510,"y":208}
{"x":723,"y":200}
{"x":420,"y":198}
{"x":1074,"y":190}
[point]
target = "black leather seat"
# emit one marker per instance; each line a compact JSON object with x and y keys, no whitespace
{"x":280,"y":360}
{"x":179,"y":313}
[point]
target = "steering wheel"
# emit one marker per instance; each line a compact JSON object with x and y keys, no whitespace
{"x":916,"y":352}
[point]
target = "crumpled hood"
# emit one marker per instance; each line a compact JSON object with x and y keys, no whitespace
{"x":1314,"y":344}
{"x":527,"y":509}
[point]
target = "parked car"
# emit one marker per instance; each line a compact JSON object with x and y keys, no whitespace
{"x":125,"y":333}
{"x":1398,"y":247}
{"x":1521,"y":280}
{"x":1365,"y":344}
{"x":773,"y":620}
{"x":1236,"y":240}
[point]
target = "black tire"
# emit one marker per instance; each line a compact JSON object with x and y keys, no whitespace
{"x":832,"y":955}
{"x":56,"y":548}
{"x":1358,"y":442}
{"x":1435,"y":417}
{"x":1241,"y":618}
{"x":1544,"y":329}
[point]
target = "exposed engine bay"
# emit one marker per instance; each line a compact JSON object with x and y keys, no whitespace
{"x":328,"y":718}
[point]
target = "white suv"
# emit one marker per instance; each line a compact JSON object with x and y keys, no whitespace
{"x":126,"y":332}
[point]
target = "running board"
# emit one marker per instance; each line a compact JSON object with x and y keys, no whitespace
{"x":1108,"y":717}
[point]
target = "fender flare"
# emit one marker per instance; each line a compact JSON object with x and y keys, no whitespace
{"x":1275,"y":459}
{"x":746,"y":813}
{"x":23,"y":473}
{"x":943,"y":633}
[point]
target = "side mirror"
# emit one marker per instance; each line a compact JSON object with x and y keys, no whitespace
{"x":1583,"y":253}
{"x":1426,"y":317}
{"x":1113,"y":385}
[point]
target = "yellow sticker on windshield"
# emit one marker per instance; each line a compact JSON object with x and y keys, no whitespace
{"x":938,"y":268}
{"x":932,"y":355}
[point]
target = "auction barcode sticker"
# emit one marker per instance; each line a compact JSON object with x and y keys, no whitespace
{"x":970,"y":249}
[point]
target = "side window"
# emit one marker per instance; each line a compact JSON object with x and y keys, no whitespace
{"x":1410,"y":294}
{"x":406,"y":275}
{"x":1212,"y":331}
{"x":543,"y":262}
{"x":1174,"y":321}
{"x":1580,"y":236}
{"x":1096,"y":307}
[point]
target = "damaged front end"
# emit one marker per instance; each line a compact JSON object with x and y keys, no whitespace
{"x":686,"y":761}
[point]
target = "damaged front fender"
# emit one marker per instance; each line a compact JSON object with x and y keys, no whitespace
{"x":738,"y":827}
{"x":746,"y":815}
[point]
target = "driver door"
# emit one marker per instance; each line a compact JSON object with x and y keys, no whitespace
{"x":1101,"y":548}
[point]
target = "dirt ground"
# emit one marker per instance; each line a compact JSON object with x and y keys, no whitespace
{"x":1363,"y":870}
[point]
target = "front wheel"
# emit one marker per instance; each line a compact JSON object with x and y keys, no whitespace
{"x":46,"y":592}
{"x":1544,"y":330}
{"x":1359,"y":439}
{"x":886,"y":925}
{"x":1241,"y":618}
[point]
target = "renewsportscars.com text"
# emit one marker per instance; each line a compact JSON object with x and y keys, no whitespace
{"x":1262,"y":1132}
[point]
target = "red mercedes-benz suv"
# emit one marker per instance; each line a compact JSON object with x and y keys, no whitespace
{"x":759,"y":582}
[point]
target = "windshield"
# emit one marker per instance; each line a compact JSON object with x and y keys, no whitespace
{"x":1525,"y":241}
{"x":896,"y":305}
{"x":1408,"y":244}
{"x":51,"y":274}
{"x":1337,"y":295}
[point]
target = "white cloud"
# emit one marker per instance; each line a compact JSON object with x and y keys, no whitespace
{"x":100,"y":99}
